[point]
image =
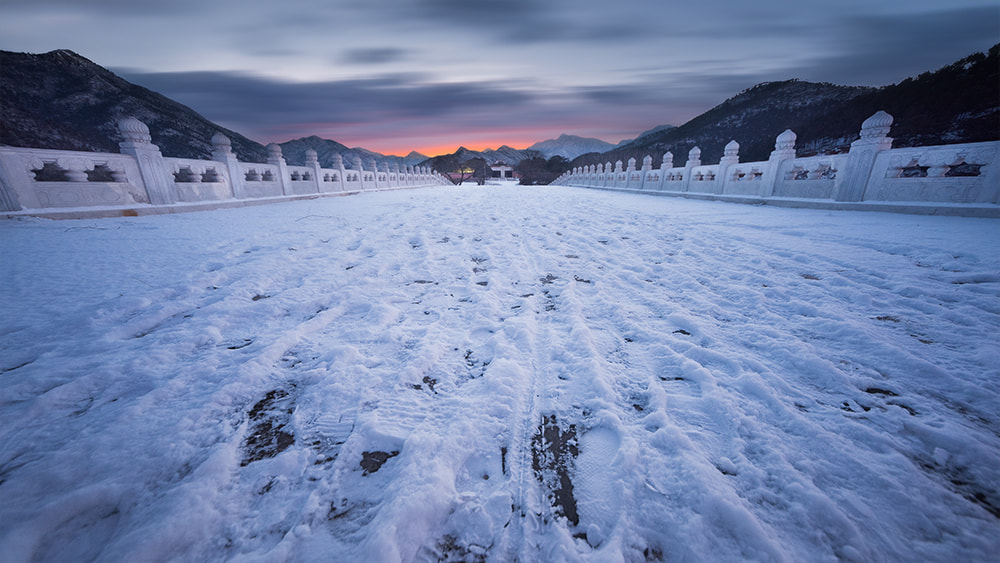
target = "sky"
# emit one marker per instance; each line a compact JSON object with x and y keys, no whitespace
{"x":431,"y":75}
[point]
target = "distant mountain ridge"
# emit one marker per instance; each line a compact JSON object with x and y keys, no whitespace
{"x":294,"y":152}
{"x":570,"y":146}
{"x":645,"y":133}
{"x":505,"y":154}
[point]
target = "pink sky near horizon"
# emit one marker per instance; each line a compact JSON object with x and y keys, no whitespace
{"x":435,"y":140}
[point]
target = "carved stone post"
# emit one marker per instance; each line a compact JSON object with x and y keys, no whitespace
{"x":360,"y":171}
{"x":647,"y":167}
{"x":156,"y":178}
{"x":274,"y":158}
{"x":222,"y":151}
{"x":8,"y":195}
{"x":694,"y":159}
{"x":338,"y":168}
{"x":730,"y":157}
{"x":668,"y":163}
{"x":784,"y":149}
{"x":312,"y":161}
{"x":374,"y":168}
{"x":850,"y":185}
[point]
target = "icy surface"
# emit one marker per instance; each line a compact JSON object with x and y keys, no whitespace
{"x":500,"y":374}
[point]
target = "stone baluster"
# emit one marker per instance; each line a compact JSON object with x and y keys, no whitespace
{"x":938,"y":167}
{"x":312,"y":161}
{"x":647,"y":166}
{"x":694,"y":159}
{"x":222,"y":151}
{"x":784,"y":149}
{"x":665,"y":166}
{"x":75,"y":168}
{"x":851,"y":185}
{"x":629,"y":173}
{"x":730,"y":158}
{"x":153,"y":170}
{"x":360,"y":171}
{"x":338,"y":167}
{"x":373,"y":166}
{"x":194,"y":175}
{"x":274,"y":158}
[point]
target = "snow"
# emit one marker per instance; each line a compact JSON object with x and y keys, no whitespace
{"x":497,"y":374}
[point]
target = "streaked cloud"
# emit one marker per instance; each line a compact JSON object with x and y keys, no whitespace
{"x":375,"y":55}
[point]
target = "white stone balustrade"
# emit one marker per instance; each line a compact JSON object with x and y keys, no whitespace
{"x":141,"y":178}
{"x":962,"y":179}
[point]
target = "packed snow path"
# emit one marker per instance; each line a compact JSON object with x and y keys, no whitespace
{"x":500,"y":374}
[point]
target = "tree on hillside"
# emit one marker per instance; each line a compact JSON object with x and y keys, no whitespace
{"x":538,"y":171}
{"x":480,"y":169}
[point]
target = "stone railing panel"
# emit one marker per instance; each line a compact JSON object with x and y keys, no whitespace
{"x":303,"y":179}
{"x":42,"y":178}
{"x":810,"y":178}
{"x":674,"y":179}
{"x":745,"y":178}
{"x":966,"y":173}
{"x":261,"y":180}
{"x":199,"y":180}
{"x":705,"y":179}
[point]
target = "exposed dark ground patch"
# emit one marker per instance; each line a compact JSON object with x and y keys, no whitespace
{"x":553,"y":450}
{"x":373,"y":461}
{"x":269,"y":433}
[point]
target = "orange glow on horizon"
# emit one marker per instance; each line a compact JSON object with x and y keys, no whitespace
{"x":447,"y":142}
{"x":449,"y":147}
{"x":437,"y":142}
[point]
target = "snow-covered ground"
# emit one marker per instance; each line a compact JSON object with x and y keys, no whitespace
{"x":500,"y":374}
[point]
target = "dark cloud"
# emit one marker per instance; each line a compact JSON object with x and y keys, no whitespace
{"x":392,"y":106}
{"x":512,"y":22}
{"x":481,"y":12}
{"x":105,"y":7}
{"x":374,"y":56}
{"x":878,"y":50}
{"x":255,"y":105}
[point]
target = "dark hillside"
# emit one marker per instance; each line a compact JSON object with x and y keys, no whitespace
{"x":959,"y":103}
{"x":60,"y":100}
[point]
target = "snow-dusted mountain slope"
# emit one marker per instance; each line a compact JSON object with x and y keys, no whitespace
{"x":500,"y":374}
{"x":570,"y":146}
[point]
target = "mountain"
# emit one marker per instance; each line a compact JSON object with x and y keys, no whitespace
{"x":294,"y":152}
{"x":959,"y":103}
{"x":414,"y":158}
{"x":753,"y":117}
{"x":60,"y":100}
{"x":505,"y":154}
{"x":570,"y":146}
{"x":646,"y":133}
